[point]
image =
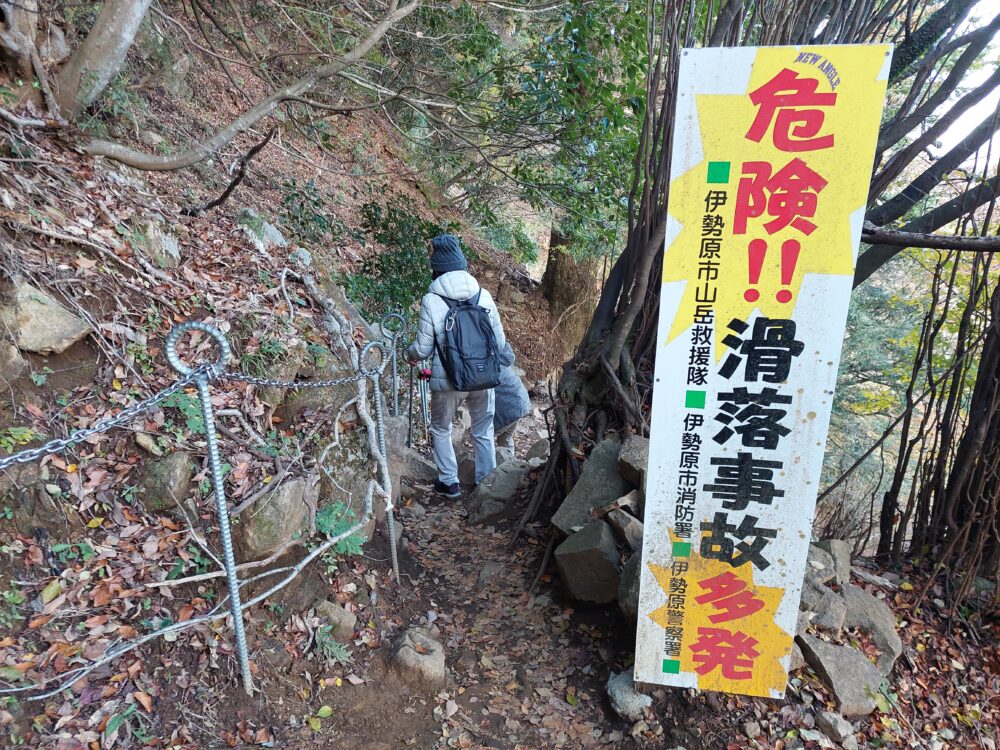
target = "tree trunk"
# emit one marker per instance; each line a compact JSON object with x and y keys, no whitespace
{"x":100,"y":58}
{"x":571,"y":287}
{"x":18,"y":28}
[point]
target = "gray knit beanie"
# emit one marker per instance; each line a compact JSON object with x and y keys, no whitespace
{"x":447,"y":255}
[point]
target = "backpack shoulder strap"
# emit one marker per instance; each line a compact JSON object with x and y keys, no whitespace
{"x":475,"y":300}
{"x":447,"y":300}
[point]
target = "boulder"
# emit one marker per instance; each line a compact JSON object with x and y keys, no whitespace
{"x":829,"y":608}
{"x":820,"y":566}
{"x":419,"y":469}
{"x":588,"y":563}
{"x":418,"y":659}
{"x":158,"y":243}
{"x":12,"y":364}
{"x":490,"y":498}
{"x":627,"y":702}
{"x":628,"y":527}
{"x":865,"y":611}
{"x":54,"y":47}
{"x":263,"y":235}
{"x":854,"y":680}
{"x":340,"y":620}
{"x":166,"y":483}
{"x":287,"y":367}
{"x":599,"y":484}
{"x":467,"y":472}
{"x":174,"y":78}
{"x":151,"y":138}
{"x":633,"y":459}
{"x":840,"y":551}
{"x":628,"y":587}
{"x":834,"y":726}
{"x":395,"y":443}
{"x":539,"y":449}
{"x":504,"y":455}
{"x":39,"y":324}
{"x":349,"y":467}
{"x":798,"y":660}
{"x":277,"y":518}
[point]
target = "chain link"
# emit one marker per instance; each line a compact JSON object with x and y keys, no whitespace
{"x":121,"y":419}
{"x":275,"y":383}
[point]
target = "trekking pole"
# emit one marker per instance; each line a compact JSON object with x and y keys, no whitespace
{"x":424,"y":408}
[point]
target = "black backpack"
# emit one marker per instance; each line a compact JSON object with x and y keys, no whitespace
{"x":469,"y":352}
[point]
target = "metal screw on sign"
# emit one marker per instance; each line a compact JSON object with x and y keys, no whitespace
{"x":373,"y":375}
{"x":201,"y":380}
{"x":392,"y":333}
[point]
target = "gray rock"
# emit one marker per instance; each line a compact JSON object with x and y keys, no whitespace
{"x":540,"y":449}
{"x":628,"y":587}
{"x":340,"y":620}
{"x":491,"y":497}
{"x":751,"y":729}
{"x":490,"y":571}
{"x":287,"y":367}
{"x":798,"y":660}
{"x":599,"y":484}
{"x":417,"y":468}
{"x":633,"y":459}
{"x":55,"y":48}
{"x":175,"y":78}
{"x":628,"y":527}
{"x":395,"y":442}
{"x":166,"y":483}
{"x":39,"y":324}
{"x":467,"y":472}
{"x":12,"y":364}
{"x":347,"y":483}
{"x":820,"y":566}
{"x":588,"y":563}
{"x":419,"y":660}
{"x":503,"y":455}
{"x":278,"y":517}
{"x":151,"y":138}
{"x":159,"y":244}
{"x":263,"y":235}
{"x":829,"y":608}
{"x":627,"y":702}
{"x":864,"y":611}
{"x":853,"y":679}
{"x":840,"y":551}
{"x":834,"y":726}
{"x":148,"y":443}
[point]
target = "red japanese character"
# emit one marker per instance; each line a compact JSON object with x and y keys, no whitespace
{"x":786,"y":100}
{"x":733,"y":652}
{"x":789,"y":195}
{"x":728,"y":593}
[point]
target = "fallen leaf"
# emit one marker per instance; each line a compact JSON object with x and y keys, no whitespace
{"x":51,"y":591}
{"x":324,"y":712}
{"x":144,"y":699}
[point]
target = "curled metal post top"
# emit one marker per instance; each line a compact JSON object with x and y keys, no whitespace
{"x":376,"y":371}
{"x":174,"y":336}
{"x":390,"y":317}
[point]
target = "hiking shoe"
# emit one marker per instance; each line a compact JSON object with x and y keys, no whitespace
{"x":448,"y":490}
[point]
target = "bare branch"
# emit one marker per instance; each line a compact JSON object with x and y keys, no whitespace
{"x":877,"y":236}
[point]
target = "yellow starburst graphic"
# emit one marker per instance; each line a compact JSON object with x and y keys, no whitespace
{"x":702,"y":623}
{"x":723,"y":122}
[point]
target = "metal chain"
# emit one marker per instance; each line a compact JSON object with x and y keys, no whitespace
{"x":122,"y":418}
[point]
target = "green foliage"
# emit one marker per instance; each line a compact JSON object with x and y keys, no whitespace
{"x":334,"y":519}
{"x":12,"y":437}
{"x":260,"y":358}
{"x":303,"y":212}
{"x":10,"y":609}
{"x":189,"y":410}
{"x":511,"y":237}
{"x":329,"y":647}
{"x":196,"y":561}
{"x":396,"y":279}
{"x":69,"y":553}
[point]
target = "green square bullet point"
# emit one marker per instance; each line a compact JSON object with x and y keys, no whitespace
{"x":682,"y":549}
{"x":718,"y":172}
{"x":694,"y":399}
{"x":671,"y":666}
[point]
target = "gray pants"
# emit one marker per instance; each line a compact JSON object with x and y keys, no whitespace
{"x":443,"y":407}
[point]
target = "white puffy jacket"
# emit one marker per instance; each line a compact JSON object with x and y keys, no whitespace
{"x":459,"y":286}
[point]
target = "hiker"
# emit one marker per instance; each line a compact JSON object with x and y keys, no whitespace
{"x":460,"y":326}
{"x":512,"y":402}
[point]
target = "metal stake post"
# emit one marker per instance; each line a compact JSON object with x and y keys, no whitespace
{"x":215,"y":466}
